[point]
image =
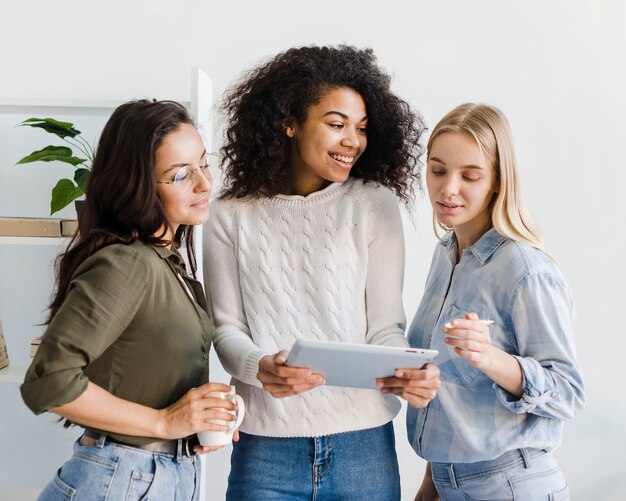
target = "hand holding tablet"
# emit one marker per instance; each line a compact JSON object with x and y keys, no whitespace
{"x":281,"y":380}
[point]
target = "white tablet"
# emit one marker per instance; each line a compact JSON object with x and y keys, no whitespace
{"x":355,"y":365}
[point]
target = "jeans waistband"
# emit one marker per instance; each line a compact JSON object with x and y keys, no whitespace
{"x":180,"y":447}
{"x":463,"y":471}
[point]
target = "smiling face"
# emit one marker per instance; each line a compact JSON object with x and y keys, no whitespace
{"x":329,"y":142}
{"x":460,"y":180}
{"x":183,"y":203}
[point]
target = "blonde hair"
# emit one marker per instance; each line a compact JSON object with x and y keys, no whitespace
{"x":491,"y":131}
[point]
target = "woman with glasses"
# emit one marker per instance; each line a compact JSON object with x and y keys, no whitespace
{"x":306,"y":242}
{"x":125,"y":352}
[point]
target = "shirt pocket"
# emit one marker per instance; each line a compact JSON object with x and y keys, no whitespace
{"x":456,"y":369}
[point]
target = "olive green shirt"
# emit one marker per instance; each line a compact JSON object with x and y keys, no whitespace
{"x":128,"y":324}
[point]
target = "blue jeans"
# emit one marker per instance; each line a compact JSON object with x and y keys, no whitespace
{"x":520,"y":475}
{"x":108,"y":471}
{"x":359,"y":465}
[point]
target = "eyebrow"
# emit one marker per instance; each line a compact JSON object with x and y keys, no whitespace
{"x":342,"y":115}
{"x":178,"y":166}
{"x":468,"y":166}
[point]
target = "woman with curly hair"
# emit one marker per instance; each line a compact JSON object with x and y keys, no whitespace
{"x":306,"y":242}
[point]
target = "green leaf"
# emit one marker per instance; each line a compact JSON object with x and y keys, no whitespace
{"x":61,"y":129}
{"x":53,"y":153}
{"x":63,"y":194}
{"x":81,"y":176}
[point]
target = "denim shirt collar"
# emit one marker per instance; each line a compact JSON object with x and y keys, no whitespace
{"x":482,"y":249}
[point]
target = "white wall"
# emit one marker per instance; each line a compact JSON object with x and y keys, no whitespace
{"x":556,"y":68}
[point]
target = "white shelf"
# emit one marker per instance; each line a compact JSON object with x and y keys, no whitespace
{"x":14,"y":373}
{"x":21,"y":441}
{"x":59,"y":103}
{"x":57,"y":241}
{"x":94,"y":104}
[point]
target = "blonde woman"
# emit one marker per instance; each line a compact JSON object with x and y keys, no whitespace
{"x":499,"y":311}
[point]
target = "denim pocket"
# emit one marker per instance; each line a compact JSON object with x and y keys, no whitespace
{"x":542,"y":480}
{"x":140,"y":483}
{"x":562,"y":495}
{"x":481,"y":488}
{"x":58,"y":490}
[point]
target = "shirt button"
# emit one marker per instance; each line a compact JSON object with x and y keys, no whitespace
{"x":553,"y":394}
{"x":205,"y":356}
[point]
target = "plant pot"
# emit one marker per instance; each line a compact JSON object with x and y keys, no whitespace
{"x":81,"y":209}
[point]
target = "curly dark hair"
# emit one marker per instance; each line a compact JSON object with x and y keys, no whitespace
{"x":255,"y":156}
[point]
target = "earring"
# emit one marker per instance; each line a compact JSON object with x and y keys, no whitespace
{"x":289,"y":131}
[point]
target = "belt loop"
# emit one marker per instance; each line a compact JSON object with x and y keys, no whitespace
{"x":101,"y":440}
{"x":528,"y":462}
{"x":180,"y":449}
{"x":452,"y":476}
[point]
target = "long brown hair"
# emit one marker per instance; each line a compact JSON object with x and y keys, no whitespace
{"x":122,"y":205}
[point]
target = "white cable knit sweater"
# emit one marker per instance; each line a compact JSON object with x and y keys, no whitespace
{"x":327,"y":266}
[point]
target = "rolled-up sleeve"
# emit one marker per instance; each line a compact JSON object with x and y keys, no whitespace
{"x":541,"y":319}
{"x":102,"y":298}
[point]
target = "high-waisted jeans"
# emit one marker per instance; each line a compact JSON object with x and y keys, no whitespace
{"x":353,"y":466}
{"x":520,"y":475}
{"x":110,"y":471}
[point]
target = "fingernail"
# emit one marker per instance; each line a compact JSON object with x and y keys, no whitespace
{"x":384,"y":390}
{"x":379,"y":384}
{"x":448,"y":325}
{"x":399,"y":374}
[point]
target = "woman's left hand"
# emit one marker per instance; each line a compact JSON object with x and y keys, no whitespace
{"x":205,"y":449}
{"x":417,"y":386}
{"x":471,"y":340}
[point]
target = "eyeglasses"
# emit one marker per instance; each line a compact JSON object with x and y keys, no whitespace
{"x":185,"y":177}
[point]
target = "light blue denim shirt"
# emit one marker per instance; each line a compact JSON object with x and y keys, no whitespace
{"x":522,"y":290}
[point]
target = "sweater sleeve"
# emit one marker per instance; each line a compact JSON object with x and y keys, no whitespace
{"x":385,"y":270}
{"x":233,"y":342}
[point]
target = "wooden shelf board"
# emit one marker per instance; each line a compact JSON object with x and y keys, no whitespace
{"x":58,"y":241}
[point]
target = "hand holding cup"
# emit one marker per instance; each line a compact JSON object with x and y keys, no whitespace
{"x":223,"y":437}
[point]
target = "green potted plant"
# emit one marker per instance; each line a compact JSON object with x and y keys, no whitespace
{"x":66,"y":190}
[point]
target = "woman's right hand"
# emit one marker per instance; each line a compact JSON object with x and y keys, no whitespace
{"x":427,"y":491}
{"x":284,"y":381}
{"x":190,"y":414}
